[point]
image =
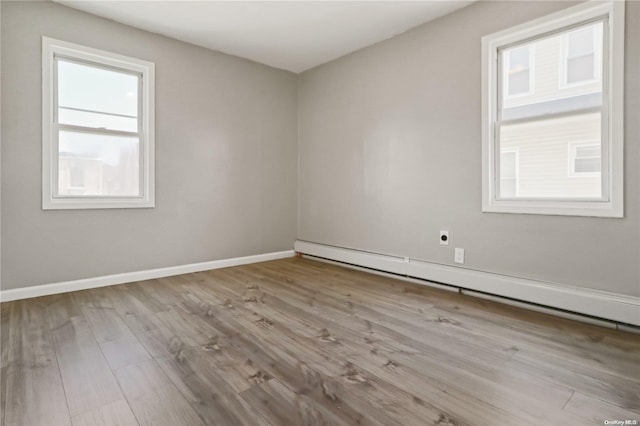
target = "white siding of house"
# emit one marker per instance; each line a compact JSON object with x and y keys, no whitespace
{"x":543,"y":148}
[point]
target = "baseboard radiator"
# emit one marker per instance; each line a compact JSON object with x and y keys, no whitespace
{"x":598,"y":307}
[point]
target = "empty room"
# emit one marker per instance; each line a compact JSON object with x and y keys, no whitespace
{"x":319,"y":213}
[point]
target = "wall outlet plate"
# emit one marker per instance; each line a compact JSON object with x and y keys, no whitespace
{"x":458,"y":255}
{"x":444,"y":238}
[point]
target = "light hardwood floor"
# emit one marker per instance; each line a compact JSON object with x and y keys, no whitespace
{"x":299,"y":342}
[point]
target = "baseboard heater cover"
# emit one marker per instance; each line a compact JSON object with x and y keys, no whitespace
{"x":594,"y":304}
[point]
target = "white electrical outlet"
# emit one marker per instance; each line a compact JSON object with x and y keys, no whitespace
{"x":459,"y":255}
{"x":444,"y":238}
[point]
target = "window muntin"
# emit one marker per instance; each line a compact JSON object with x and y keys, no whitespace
{"x":97,"y":128}
{"x":542,"y":124}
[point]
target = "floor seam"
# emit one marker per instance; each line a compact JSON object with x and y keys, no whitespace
{"x":571,"y":396}
{"x":107,"y":361}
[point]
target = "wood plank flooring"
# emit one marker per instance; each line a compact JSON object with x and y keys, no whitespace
{"x":299,"y":342}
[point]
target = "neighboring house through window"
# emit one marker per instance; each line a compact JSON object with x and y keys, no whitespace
{"x":97,"y":130}
{"x":530,"y":134}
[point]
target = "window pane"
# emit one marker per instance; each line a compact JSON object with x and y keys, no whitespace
{"x":508,"y":174}
{"x":580,"y":69}
{"x":508,"y":187}
{"x":552,"y":64}
{"x":587,"y":165}
{"x":543,"y":155}
{"x":98,"y":165}
{"x":519,"y":82}
{"x":517,"y":70}
{"x":518,"y":58}
{"x":541,"y":125}
{"x":581,"y":60}
{"x":587,"y":151}
{"x":508,"y":165}
{"x":581,"y":41}
{"x":96,"y":90}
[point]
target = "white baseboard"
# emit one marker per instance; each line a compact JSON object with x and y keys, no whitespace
{"x":128,"y":277}
{"x":611,"y":306}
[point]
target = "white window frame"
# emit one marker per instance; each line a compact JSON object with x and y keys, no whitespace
{"x":52,"y":48}
{"x":532,"y":75}
{"x":611,"y":205}
{"x":564,"y":59}
{"x":571,"y":164}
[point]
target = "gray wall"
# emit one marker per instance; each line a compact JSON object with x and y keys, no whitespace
{"x":226,"y":153}
{"x":389,"y":155}
{"x":390,"y":141}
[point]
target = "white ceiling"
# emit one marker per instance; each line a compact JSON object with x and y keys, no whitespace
{"x":291,"y":35}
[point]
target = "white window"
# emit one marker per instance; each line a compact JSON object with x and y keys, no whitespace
{"x":581,"y":55}
{"x":539,"y":128}
{"x":509,"y":165}
{"x":584,"y":160}
{"x":98,"y":139}
{"x":519,"y":71}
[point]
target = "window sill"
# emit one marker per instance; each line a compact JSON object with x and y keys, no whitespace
{"x":556,"y":208}
{"x":94,"y":203}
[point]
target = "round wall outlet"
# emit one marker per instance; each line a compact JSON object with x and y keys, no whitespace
{"x":444,"y":238}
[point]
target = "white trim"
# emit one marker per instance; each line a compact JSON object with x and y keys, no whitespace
{"x":610,"y":306}
{"x":612,"y":204}
{"x":146,"y":128}
{"x":129,"y":277}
